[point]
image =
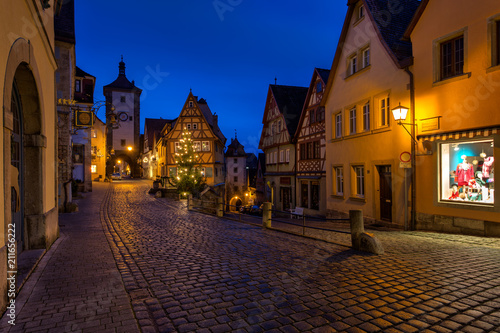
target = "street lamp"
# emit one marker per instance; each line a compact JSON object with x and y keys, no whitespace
{"x":399,"y":113}
{"x":129,"y":148}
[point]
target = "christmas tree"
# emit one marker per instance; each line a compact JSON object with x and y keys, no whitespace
{"x":190,"y":178}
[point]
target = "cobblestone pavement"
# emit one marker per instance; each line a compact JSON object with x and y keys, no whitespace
{"x":186,"y":271}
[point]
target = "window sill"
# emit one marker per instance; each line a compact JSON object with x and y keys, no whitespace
{"x":334,"y":196}
{"x":358,"y":21}
{"x":357,"y":199}
{"x":452,"y":79}
{"x":493,"y":69}
{"x":362,"y":70}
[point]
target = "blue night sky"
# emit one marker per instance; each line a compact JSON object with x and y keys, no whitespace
{"x":228,"y":55}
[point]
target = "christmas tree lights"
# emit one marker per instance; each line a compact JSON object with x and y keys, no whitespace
{"x":190,"y":178}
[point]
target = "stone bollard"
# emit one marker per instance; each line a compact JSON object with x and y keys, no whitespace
{"x":357,"y":227}
{"x":190,"y":202}
{"x":266,"y":214}
{"x":220,"y":208}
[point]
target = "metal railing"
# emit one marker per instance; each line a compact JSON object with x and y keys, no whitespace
{"x":277,"y":214}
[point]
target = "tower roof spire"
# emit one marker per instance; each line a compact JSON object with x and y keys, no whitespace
{"x":121,"y":67}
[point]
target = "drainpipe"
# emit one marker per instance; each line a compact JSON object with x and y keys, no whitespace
{"x":413,"y":150}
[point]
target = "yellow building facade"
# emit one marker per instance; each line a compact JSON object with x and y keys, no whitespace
{"x":457,"y":89}
{"x":29,"y":145}
{"x":364,"y":146}
{"x":98,"y":150}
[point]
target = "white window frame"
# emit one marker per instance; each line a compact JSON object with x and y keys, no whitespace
{"x":366,"y":116}
{"x":353,"y":64}
{"x":359,"y":181}
{"x":338,"y":125}
{"x":287,"y":156}
{"x":366,"y":57}
{"x":384,"y":111}
{"x":361,"y":12}
{"x":282,"y":156}
{"x":352,"y":120}
{"x":197,"y":145}
{"x":195,"y":126}
{"x":188,"y":126}
{"x":93,"y":168}
{"x":177,"y":146}
{"x":339,"y":180}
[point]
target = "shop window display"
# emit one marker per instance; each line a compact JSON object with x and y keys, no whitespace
{"x":467,"y":172}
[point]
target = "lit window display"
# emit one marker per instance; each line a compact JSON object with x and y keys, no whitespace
{"x":467,"y":172}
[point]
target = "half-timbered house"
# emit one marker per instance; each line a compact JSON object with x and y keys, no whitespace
{"x":209,"y":141}
{"x":310,"y":148}
{"x":281,"y":117}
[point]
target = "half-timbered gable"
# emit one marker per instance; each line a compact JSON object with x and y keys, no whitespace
{"x":281,"y":116}
{"x":209,"y":141}
{"x":310,"y":147}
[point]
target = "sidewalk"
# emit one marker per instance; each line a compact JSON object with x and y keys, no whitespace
{"x":76,"y":286}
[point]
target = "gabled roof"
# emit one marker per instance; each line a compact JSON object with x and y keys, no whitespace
{"x":81,"y":73}
{"x":290,"y":100}
{"x":390,"y":32}
{"x":415,"y":18}
{"x":323,"y":74}
{"x":212,"y":119}
{"x":153,"y":128}
{"x":235,"y":149}
{"x":64,"y":22}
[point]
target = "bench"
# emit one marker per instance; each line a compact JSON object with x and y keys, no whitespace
{"x":297,"y":212}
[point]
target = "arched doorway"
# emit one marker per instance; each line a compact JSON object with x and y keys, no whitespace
{"x":235,"y":204}
{"x":17,"y":168}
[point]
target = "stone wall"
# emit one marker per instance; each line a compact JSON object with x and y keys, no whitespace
{"x":457,"y":225}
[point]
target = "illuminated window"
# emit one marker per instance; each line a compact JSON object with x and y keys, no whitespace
{"x":452,"y":57}
{"x":93,"y":168}
{"x":177,"y":147}
{"x":352,"y":121}
{"x":93,"y":133}
{"x":466,"y":172}
{"x":338,"y":125}
{"x":366,"y":117}
{"x":205,"y":145}
{"x":197,"y":146}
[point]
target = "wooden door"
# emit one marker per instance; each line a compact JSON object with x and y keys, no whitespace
{"x":385,"y":177}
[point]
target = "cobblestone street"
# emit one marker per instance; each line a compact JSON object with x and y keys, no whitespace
{"x":180,"y":271}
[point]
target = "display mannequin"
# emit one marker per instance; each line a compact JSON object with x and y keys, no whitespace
{"x":464,"y":172}
{"x":488,"y":163}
